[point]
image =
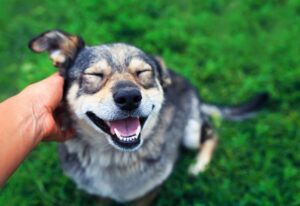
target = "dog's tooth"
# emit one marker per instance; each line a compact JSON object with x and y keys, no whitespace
{"x":118,"y":133}
{"x":138,"y":130}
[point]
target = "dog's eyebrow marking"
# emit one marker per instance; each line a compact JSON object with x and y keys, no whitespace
{"x":139,"y":56}
{"x":138,"y":63}
{"x":98,"y":67}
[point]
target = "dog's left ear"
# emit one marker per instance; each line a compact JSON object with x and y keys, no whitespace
{"x":163,"y":72}
{"x":61,"y":47}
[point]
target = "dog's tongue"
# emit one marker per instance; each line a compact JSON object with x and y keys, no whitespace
{"x":126,"y":127}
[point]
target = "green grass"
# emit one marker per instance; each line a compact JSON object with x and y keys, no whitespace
{"x":228,"y":49}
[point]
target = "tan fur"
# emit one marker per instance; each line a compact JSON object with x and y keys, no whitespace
{"x":69,"y":46}
{"x":98,"y":159}
{"x":100,"y":67}
{"x":66,"y":46}
{"x":138,"y":64}
{"x":120,"y":51}
{"x":204,"y":156}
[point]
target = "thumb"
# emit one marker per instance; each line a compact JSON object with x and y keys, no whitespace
{"x":59,"y":134}
{"x":50,"y":90}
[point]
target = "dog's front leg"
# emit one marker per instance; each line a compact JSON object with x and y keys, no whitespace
{"x":206,"y":144}
{"x":204,"y":156}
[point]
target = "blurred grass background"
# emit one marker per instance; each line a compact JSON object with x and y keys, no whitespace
{"x":229,"y":50}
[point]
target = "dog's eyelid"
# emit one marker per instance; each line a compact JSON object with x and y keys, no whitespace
{"x":101,"y":75}
{"x":142,"y":71}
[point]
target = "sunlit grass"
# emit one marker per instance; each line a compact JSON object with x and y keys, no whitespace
{"x":229,"y":50}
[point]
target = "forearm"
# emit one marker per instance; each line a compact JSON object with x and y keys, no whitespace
{"x":26,"y":119}
{"x":17,"y":134}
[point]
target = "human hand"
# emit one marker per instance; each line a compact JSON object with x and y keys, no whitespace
{"x":40,"y":100}
{"x":28,"y":118}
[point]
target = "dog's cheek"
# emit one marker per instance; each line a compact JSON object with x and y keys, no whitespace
{"x":77,"y":100}
{"x":73,"y":99}
{"x":154,"y":97}
{"x":159,"y":93}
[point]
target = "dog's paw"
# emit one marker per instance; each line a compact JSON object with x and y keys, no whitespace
{"x":196,"y":169}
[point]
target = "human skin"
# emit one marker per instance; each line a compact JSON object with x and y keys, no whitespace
{"x":26,"y":119}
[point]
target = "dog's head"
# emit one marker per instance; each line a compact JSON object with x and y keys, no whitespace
{"x":114,"y":89}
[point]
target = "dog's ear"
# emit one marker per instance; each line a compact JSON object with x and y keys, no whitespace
{"x":163,"y":72}
{"x":61,"y":47}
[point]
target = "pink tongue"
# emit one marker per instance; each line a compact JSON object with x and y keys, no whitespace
{"x":126,"y":127}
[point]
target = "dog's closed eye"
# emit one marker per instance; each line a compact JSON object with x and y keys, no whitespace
{"x":143,"y":72}
{"x":145,"y":77}
{"x":96,"y":74}
{"x":92,"y":82}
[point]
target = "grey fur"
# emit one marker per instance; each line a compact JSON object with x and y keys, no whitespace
{"x":102,"y":170}
{"x":125,"y":176}
{"x":175,"y":115}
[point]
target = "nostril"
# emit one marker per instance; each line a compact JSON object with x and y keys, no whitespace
{"x":121,"y":100}
{"x":137,"y":99}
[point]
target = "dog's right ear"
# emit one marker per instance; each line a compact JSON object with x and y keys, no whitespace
{"x":61,"y":47}
{"x":163,"y":72}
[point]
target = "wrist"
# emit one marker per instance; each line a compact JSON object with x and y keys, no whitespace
{"x":29,"y":116}
{"x":17,"y":136}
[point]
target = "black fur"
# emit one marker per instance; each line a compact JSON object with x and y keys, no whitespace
{"x":247,"y":109}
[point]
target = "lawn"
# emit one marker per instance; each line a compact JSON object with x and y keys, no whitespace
{"x":229,"y":50}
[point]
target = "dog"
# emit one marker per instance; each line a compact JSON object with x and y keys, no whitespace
{"x":131,"y":115}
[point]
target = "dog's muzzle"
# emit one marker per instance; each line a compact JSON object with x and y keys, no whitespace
{"x":125,"y":129}
{"x":127,"y":96}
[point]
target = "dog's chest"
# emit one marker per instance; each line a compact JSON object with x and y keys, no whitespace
{"x":120,"y":176}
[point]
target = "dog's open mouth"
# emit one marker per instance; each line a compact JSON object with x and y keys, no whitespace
{"x":125,"y":133}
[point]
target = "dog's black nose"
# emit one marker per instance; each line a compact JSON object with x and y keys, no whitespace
{"x":128,"y":98}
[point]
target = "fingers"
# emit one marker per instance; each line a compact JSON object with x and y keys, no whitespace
{"x":40,"y":100}
{"x":53,"y":86}
{"x":60,"y":135}
{"x":60,"y":130}
{"x":63,"y":124}
{"x":46,"y":93}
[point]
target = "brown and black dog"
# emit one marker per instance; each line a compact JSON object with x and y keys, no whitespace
{"x":131,"y":114}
